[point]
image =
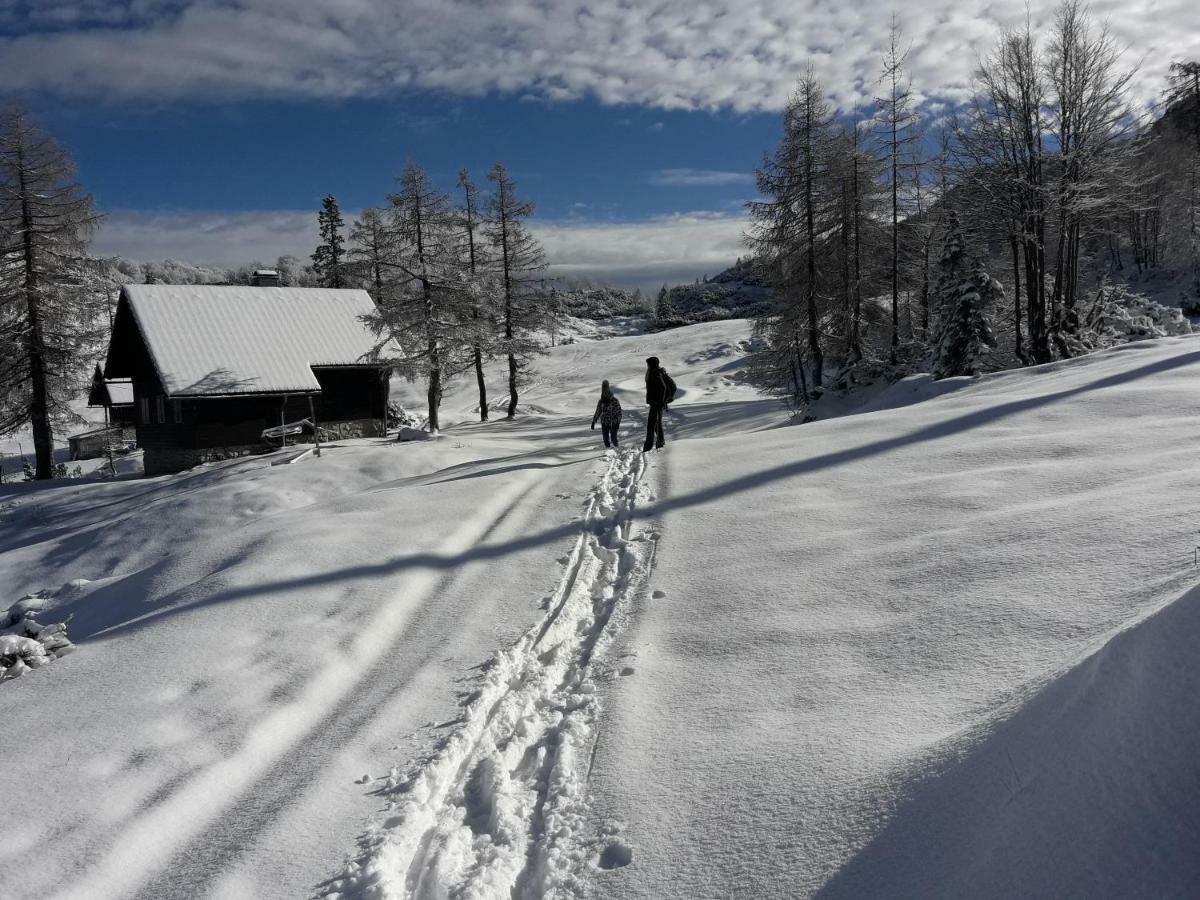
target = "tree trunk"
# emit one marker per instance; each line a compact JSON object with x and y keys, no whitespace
{"x":895,"y":246}
{"x":814,"y":339}
{"x":483,"y":408}
{"x":39,"y":406}
{"x":856,"y":326}
{"x":512,"y":385}
{"x":435,"y":386}
{"x":1018,"y":347}
{"x":798,"y":369}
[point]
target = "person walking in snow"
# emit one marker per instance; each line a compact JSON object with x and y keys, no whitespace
{"x":608,"y":412}
{"x":660,"y":390}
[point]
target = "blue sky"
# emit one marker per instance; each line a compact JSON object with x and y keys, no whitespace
{"x":209,"y":130}
{"x":613,"y":162}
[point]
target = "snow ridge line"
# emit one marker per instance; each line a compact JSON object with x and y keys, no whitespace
{"x":499,"y":810}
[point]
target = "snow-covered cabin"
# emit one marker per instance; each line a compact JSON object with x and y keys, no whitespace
{"x":114,"y":395}
{"x":213,"y":366}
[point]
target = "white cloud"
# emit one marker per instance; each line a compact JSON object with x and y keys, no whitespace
{"x":674,"y":54}
{"x":207,"y":238}
{"x":699,"y":178}
{"x":646,"y":253}
{"x":675,"y":248}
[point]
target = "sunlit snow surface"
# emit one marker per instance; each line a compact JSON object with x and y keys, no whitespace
{"x":934,"y":647}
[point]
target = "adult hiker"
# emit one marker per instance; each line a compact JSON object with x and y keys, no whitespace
{"x":660,"y":390}
{"x":608,"y":411}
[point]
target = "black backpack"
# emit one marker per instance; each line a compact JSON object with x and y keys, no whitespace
{"x":669,"y":384}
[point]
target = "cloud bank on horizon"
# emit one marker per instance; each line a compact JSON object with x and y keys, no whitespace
{"x":644,"y":254}
{"x":743,"y":55}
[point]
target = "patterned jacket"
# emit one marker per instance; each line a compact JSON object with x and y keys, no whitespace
{"x":608,"y":411}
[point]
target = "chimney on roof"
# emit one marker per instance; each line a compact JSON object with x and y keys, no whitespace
{"x":265,"y":278}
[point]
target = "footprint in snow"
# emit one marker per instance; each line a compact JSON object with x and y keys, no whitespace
{"x":628,"y":670}
{"x":658,"y":595}
{"x":615,"y":856}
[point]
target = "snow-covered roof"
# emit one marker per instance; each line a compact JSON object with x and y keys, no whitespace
{"x":92,"y":432}
{"x":110,"y":392}
{"x":120,"y":392}
{"x":217,"y":340}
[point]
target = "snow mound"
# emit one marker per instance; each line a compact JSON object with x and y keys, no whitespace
{"x":1078,"y":793}
{"x":29,"y":644}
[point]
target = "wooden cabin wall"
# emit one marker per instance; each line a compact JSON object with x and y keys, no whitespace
{"x":350,"y":394}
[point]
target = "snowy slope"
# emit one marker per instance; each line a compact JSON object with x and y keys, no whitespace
{"x":255,"y":638}
{"x":938,"y":647}
{"x":869,"y":673}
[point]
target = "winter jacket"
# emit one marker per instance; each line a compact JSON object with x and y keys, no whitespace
{"x":660,"y":389}
{"x":608,"y":412}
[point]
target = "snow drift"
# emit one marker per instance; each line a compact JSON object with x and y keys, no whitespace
{"x":1082,"y":792}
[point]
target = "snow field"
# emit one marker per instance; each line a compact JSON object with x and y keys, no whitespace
{"x":500,"y":810}
{"x":150,"y":841}
{"x":940,"y":647}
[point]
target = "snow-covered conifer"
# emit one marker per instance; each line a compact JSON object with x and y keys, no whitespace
{"x":965,"y":294}
{"x":664,"y":307}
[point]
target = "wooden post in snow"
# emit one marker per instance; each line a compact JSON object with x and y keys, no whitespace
{"x":312,"y":416}
{"x":108,"y":450}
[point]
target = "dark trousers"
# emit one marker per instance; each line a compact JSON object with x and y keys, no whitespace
{"x":610,"y":434}
{"x":654,"y":432}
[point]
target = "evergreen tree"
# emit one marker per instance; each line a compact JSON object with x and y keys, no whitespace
{"x":664,"y":307}
{"x":966,"y":294}
{"x":518,"y":258}
{"x":328,"y":260}
{"x":50,"y":324}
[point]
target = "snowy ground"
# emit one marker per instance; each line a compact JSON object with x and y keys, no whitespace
{"x":936,"y":648}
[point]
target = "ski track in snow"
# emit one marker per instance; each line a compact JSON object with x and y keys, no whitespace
{"x":148,"y":848}
{"x":499,"y":810}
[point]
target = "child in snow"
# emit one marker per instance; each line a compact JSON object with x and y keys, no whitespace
{"x":608,"y":411}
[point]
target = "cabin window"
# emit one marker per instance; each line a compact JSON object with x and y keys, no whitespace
{"x":177,"y":412}
{"x":160,"y":410}
{"x":144,"y":410}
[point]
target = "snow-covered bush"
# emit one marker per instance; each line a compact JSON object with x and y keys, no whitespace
{"x":398,"y":416}
{"x":1117,"y":316}
{"x":912,"y":357}
{"x":26,"y":643}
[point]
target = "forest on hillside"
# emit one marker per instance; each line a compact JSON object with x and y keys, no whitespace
{"x":1008,"y":233}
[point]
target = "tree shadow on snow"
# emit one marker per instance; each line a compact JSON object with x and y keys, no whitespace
{"x":485,"y":552}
